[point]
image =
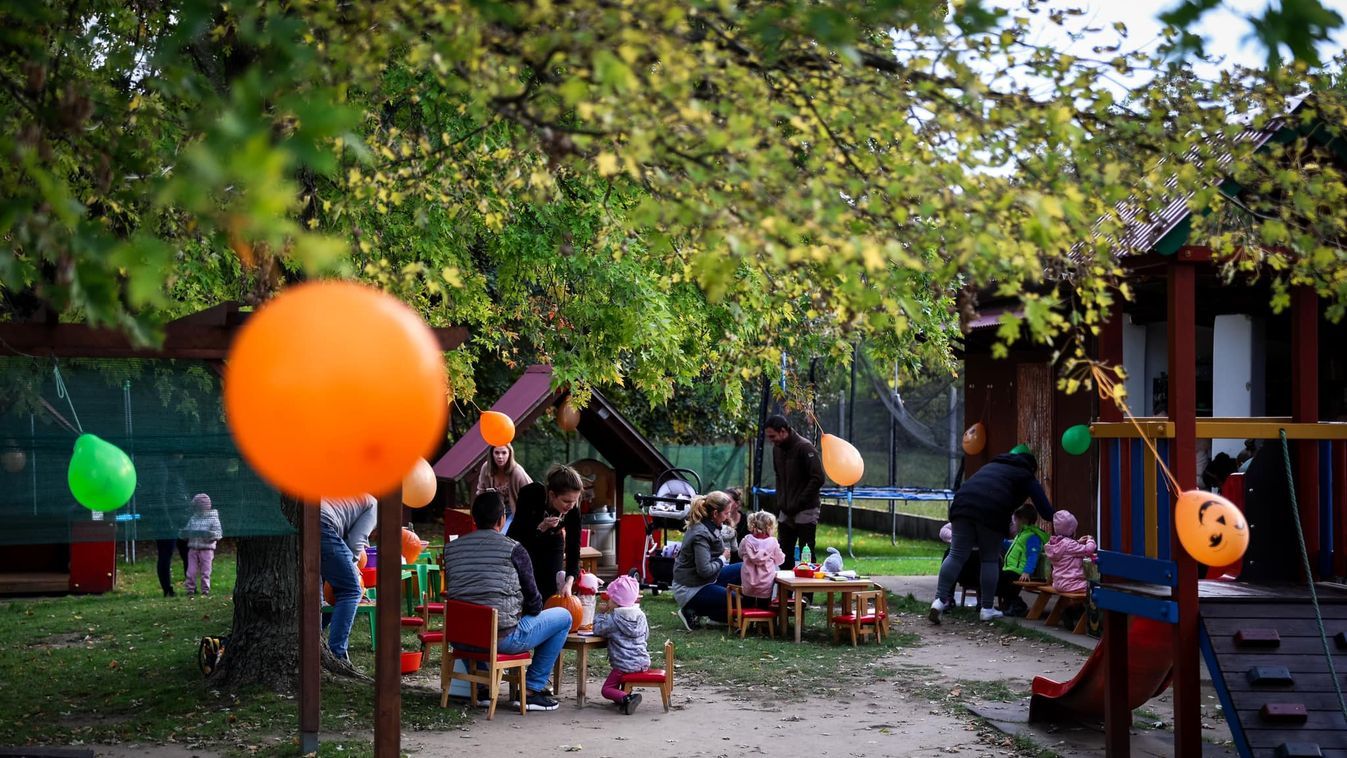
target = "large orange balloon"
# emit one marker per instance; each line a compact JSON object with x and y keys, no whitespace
{"x":418,"y":486}
{"x":497,"y":428}
{"x":568,"y":417}
{"x":842,"y":461}
{"x":1211,"y":528}
{"x":334,"y":389}
{"x":975,"y":439}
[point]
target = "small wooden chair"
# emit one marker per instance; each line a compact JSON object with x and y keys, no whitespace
{"x":866,"y":613}
{"x":661,"y":678}
{"x":470,"y":636}
{"x":739,"y":617}
{"x":428,"y":635}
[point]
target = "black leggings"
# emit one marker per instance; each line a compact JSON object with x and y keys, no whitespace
{"x":165,"y":564}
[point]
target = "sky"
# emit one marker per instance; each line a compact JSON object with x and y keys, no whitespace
{"x":1225,"y":29}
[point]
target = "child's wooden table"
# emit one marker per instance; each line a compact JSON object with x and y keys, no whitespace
{"x":581,"y":644}
{"x":792,"y":589}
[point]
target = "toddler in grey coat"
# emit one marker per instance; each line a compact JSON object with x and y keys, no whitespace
{"x":628,"y":633}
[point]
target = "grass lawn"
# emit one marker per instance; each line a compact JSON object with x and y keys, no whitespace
{"x":876,"y":557}
{"x":122,"y":667}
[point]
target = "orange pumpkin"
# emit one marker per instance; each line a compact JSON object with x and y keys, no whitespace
{"x":330,"y":596}
{"x":363,"y":561}
{"x":570,"y":603}
{"x":411,"y":546}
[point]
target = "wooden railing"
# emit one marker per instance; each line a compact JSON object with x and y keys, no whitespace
{"x":1135,"y":508}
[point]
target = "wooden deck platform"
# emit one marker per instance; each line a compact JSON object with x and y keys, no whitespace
{"x":34,"y":583}
{"x":1328,"y":592}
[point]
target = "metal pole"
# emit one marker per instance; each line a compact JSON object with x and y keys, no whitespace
{"x":758,"y":439}
{"x":893,"y":463}
{"x":32,"y":463}
{"x":849,"y":491}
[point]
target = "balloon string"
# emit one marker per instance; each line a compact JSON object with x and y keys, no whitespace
{"x":63,"y":393}
{"x":1108,"y":391}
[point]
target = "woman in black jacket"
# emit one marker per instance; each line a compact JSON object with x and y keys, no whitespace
{"x":547,"y":524}
{"x":979,"y":516}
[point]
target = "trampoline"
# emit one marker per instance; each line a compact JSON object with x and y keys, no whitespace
{"x":891,"y":494}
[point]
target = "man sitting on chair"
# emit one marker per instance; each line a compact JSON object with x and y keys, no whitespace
{"x":487,"y":568}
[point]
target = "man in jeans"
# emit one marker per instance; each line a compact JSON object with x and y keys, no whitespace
{"x":344,"y":527}
{"x":799,"y":477}
{"x":487,"y":568}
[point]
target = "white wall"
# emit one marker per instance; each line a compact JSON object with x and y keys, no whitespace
{"x":1237,"y":375}
{"x":1134,"y":360}
{"x":1157,"y":363}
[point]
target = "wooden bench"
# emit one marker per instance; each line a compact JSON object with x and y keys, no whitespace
{"x":1064,"y":600}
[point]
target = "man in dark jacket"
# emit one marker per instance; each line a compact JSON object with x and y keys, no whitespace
{"x":979,"y":517}
{"x":799,"y":476}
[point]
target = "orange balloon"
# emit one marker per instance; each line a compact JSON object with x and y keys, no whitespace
{"x":411,"y":546}
{"x":842,"y":461}
{"x":975,"y":439}
{"x":334,"y":389}
{"x":568,"y":417}
{"x":418,"y":486}
{"x":363,"y":561}
{"x":1211,"y":528}
{"x":497,"y":428}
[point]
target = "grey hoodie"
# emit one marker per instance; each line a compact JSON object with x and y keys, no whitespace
{"x":627,"y":632}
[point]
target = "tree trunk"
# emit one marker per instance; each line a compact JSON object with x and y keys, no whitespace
{"x":263,"y":647}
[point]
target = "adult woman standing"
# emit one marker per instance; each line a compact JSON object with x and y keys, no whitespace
{"x":547,"y":524}
{"x":500,"y":472}
{"x":703,"y":569}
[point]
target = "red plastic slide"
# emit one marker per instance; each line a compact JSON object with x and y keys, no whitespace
{"x":1150,"y":664}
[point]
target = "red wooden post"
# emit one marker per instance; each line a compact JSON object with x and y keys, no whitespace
{"x":1117,"y":712}
{"x":1183,"y":463}
{"x":1305,"y":409}
{"x":310,"y":629}
{"x":387,"y":620}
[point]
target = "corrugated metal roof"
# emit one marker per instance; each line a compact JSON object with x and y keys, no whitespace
{"x":1142,"y":232}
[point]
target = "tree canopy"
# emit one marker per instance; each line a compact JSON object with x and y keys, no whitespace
{"x":650,"y":194}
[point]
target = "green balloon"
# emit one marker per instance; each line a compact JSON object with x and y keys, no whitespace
{"x":1076,"y":440}
{"x":1020,"y":448}
{"x":101,"y":476}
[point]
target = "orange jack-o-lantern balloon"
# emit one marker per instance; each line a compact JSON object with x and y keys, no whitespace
{"x":975,"y":439}
{"x":842,"y":461}
{"x":568,"y":417}
{"x":1211,"y":528}
{"x":334,"y":389}
{"x":497,"y":428}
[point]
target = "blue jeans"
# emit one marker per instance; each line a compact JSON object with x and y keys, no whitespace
{"x":710,"y":600}
{"x":544,"y":634}
{"x":338,"y":569}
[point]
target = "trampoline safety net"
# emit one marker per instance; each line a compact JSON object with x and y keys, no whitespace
{"x":166,"y":415}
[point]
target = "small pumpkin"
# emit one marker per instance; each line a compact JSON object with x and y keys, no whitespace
{"x":570,"y":603}
{"x":411,"y":546}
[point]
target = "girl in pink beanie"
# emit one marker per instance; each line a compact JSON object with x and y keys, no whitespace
{"x":1068,"y":554}
{"x":628,"y":633}
{"x":202,"y":533}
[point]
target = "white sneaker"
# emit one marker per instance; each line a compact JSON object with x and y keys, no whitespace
{"x":938,"y":607}
{"x":990,"y":614}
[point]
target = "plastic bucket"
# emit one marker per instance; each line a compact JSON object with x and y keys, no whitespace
{"x":411,"y":661}
{"x":371,"y":557}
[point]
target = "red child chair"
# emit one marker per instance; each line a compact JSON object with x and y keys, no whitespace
{"x":661,"y":678}
{"x":739,"y":617}
{"x":470,"y":636}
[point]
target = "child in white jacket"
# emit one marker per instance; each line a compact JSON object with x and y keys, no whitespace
{"x":202,"y":533}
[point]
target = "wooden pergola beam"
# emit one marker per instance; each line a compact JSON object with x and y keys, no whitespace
{"x":205,"y":335}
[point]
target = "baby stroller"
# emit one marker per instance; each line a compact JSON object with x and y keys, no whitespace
{"x":667,"y":508}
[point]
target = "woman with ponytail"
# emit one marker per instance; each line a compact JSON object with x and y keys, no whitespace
{"x":703,"y":569}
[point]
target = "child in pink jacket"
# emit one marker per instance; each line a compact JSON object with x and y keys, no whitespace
{"x":1068,"y":553}
{"x":761,"y":554}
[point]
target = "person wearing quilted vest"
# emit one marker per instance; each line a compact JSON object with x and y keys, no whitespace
{"x":485,"y":567}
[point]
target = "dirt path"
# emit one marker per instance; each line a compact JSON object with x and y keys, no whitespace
{"x":918,"y":711}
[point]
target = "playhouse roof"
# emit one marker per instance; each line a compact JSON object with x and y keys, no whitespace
{"x":600,"y":422}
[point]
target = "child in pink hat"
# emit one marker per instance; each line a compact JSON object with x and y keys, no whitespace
{"x":1068,"y":553}
{"x":202,"y":533}
{"x":628,"y":633}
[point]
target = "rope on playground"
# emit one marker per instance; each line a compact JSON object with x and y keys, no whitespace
{"x":1309,"y":575}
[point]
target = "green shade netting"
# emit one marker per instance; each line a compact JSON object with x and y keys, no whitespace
{"x":166,"y":415}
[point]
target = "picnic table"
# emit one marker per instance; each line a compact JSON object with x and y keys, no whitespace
{"x":792,"y":588}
